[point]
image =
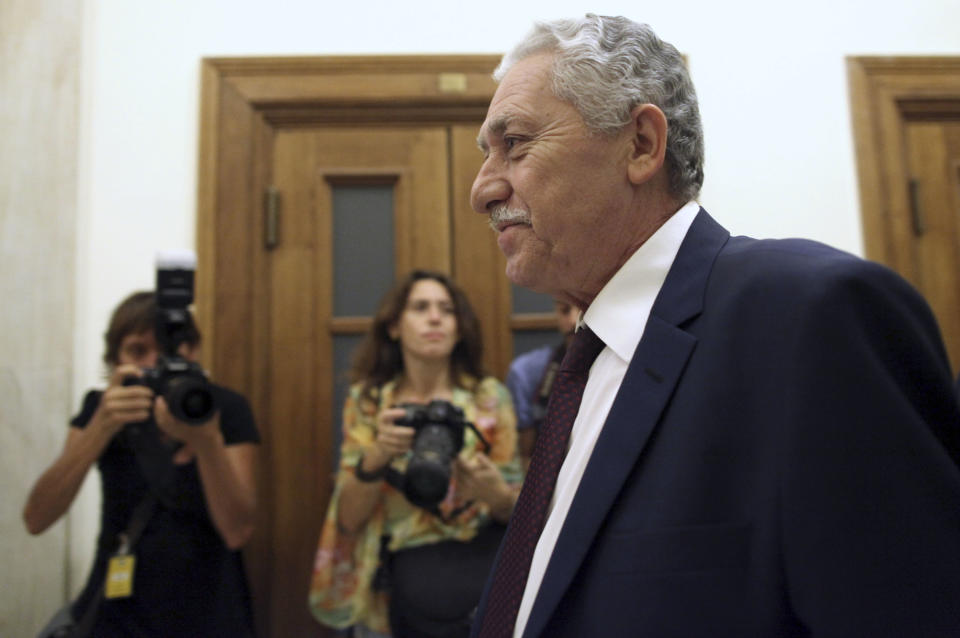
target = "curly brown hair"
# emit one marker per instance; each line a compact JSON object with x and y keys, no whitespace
{"x":379,"y":358}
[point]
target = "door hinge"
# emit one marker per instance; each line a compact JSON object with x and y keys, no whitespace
{"x":916,"y":214}
{"x":271,"y":218}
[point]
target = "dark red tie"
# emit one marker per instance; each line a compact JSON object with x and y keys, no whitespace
{"x":529,"y":515}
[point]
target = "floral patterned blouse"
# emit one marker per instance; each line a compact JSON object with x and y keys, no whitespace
{"x":341,"y":594}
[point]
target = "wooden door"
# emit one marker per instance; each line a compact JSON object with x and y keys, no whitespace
{"x":906,"y":116}
{"x":933,"y":169}
{"x":321,"y":178}
{"x":406,"y":172}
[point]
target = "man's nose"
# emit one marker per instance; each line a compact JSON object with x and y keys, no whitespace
{"x":490,"y":188}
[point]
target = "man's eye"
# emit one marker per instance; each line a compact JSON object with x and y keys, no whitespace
{"x":510,"y":142}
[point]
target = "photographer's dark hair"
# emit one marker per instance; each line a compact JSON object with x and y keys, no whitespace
{"x":136,"y":314}
{"x":379,"y":358}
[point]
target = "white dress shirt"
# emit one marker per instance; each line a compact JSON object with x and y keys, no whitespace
{"x":618,"y":315}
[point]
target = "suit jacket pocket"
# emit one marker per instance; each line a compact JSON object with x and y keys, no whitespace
{"x":677,"y":549}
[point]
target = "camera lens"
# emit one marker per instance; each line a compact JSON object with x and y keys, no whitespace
{"x":428,"y":473}
{"x":439,"y":436}
{"x":197,"y":404}
{"x":427,"y":483}
{"x":190,"y":400}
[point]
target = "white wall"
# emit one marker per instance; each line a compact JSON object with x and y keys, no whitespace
{"x":39,"y":115}
{"x":770,"y":76}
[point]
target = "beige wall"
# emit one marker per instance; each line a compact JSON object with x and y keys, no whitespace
{"x":39,"y":105}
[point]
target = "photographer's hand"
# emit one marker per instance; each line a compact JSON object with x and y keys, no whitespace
{"x":227,"y":473}
{"x":392,"y":440}
{"x":122,"y":404}
{"x":478,"y":478}
{"x":359,"y":498}
{"x":57,"y":487}
{"x":193,"y":437}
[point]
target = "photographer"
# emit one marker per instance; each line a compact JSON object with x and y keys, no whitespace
{"x":189,"y":487}
{"x":379,"y":554}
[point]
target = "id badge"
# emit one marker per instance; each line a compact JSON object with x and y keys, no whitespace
{"x":120,"y":576}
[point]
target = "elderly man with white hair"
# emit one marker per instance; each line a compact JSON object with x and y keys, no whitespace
{"x":746,"y":437}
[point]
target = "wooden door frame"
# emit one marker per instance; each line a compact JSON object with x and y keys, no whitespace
{"x":884,"y":90}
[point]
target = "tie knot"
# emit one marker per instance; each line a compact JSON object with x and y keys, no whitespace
{"x":584,"y":348}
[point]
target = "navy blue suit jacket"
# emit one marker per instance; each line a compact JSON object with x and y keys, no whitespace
{"x":780,"y":460}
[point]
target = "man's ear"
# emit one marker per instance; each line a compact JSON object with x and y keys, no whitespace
{"x":648,"y":128}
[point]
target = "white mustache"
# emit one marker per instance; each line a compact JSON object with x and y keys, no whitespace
{"x":503,"y":214}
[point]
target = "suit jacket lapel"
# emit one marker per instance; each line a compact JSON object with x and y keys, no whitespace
{"x":652,"y":375}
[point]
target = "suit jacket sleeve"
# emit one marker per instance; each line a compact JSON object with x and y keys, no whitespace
{"x":870,"y":502}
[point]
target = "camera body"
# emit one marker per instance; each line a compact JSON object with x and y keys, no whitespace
{"x":438,"y":439}
{"x":182,"y":383}
{"x":184,"y":387}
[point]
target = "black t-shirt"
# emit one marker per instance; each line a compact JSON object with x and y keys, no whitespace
{"x":186,"y":581}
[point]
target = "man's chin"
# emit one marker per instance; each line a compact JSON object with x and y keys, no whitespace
{"x":524,"y":274}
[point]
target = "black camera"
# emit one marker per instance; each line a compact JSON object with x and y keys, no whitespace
{"x":181,"y":383}
{"x":439,"y":429}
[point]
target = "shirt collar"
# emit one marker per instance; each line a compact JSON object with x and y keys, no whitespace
{"x":619,"y":313}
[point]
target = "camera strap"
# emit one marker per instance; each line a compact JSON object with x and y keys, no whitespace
{"x":155,"y":460}
{"x":538,"y":407}
{"x":480,"y":437}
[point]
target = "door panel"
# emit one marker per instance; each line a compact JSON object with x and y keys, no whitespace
{"x":934,"y":163}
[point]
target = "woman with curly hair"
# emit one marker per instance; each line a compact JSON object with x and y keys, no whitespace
{"x":385,"y":563}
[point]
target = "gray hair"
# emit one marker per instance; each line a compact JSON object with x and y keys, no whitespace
{"x":605,"y":66}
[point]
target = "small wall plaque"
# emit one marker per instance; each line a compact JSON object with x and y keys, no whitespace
{"x":452,"y":83}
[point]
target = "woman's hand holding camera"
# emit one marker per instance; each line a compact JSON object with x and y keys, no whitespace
{"x":392,"y":440}
{"x":360,"y":495}
{"x":478,"y":478}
